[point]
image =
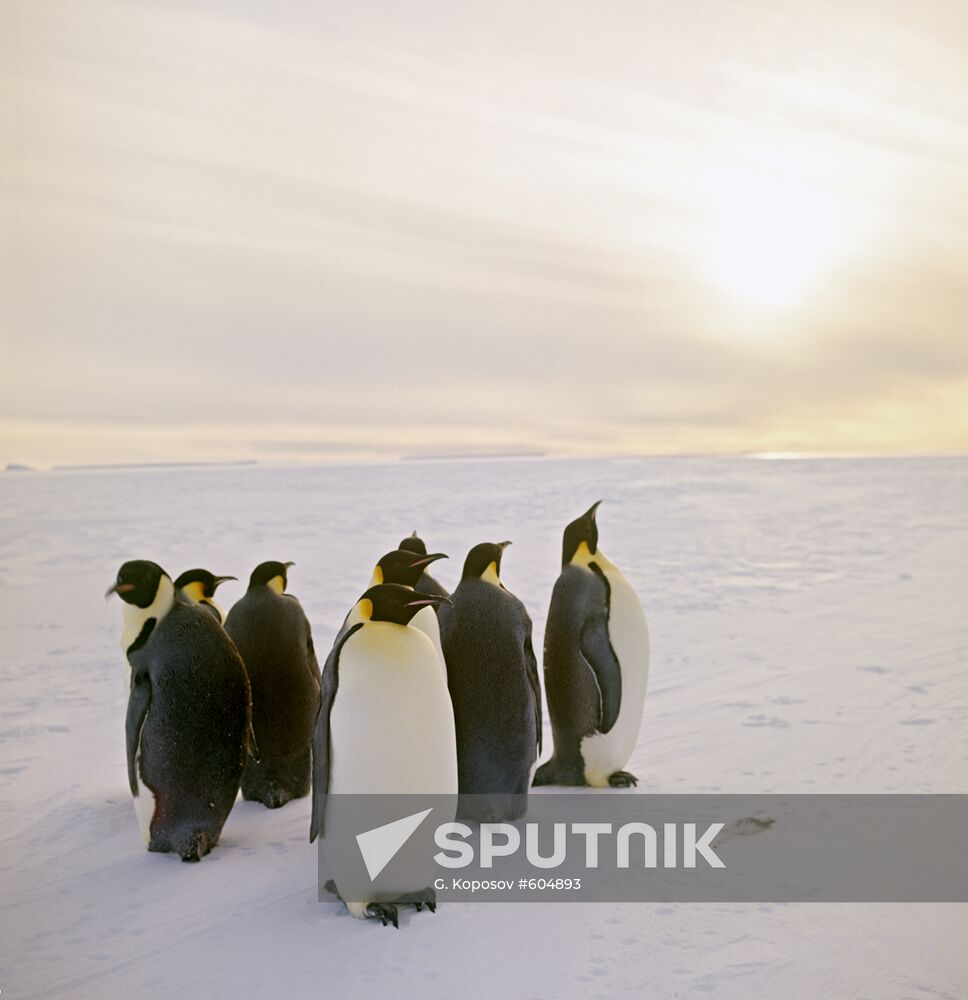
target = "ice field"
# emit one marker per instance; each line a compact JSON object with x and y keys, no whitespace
{"x":809,"y":634}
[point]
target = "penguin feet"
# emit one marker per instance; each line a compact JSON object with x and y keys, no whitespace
{"x":276,"y":798}
{"x":196,"y":847}
{"x":385,"y":912}
{"x":622,"y":779}
{"x":427,"y":897}
{"x":545,"y":775}
{"x":272,"y":797}
{"x":555,"y":772}
{"x":389,"y":912}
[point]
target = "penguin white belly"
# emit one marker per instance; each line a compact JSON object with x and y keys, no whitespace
{"x":392,"y":722}
{"x":426,"y":621}
{"x":606,"y":753}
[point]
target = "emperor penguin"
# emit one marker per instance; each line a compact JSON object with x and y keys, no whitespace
{"x":188,"y":726}
{"x":199,"y":586}
{"x":492,"y":675}
{"x":405,"y":568}
{"x":385,"y":723}
{"x":426,"y":584}
{"x":596,"y":665}
{"x":272,"y":633}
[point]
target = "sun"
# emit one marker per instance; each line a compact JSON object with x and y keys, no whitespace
{"x":771,"y":236}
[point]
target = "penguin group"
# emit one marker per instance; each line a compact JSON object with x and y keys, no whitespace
{"x":422,"y":692}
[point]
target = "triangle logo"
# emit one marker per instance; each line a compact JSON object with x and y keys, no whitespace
{"x":380,"y":845}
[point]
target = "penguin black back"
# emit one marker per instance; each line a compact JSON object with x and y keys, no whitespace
{"x":493,"y":680}
{"x":585,"y":699}
{"x":274,"y":637}
{"x":187,"y":728}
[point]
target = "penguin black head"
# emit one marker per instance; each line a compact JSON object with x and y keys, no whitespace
{"x":481,"y":557}
{"x":138,"y":582}
{"x":392,"y":602}
{"x":414,"y":544}
{"x":401,"y":566}
{"x":270,"y":574}
{"x":582,"y":529}
{"x":200,"y":583}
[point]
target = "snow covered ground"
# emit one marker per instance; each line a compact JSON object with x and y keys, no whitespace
{"x":809,"y":634}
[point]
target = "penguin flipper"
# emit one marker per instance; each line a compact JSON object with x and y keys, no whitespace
{"x":531,"y":665}
{"x":321,"y":750}
{"x":138,"y":701}
{"x":320,"y":773}
{"x":596,"y":649}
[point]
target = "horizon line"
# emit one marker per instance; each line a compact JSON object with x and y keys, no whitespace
{"x":14,"y":468}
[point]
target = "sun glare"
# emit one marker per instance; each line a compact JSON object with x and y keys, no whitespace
{"x":771,"y":237}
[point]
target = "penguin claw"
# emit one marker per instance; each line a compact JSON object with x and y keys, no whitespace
{"x":426,"y":897}
{"x":385,"y":911}
{"x":622,"y":779}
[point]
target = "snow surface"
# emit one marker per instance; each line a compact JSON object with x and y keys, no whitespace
{"x":808,"y":634}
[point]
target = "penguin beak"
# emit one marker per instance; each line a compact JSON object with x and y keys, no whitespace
{"x":219,"y":580}
{"x":590,"y":513}
{"x":427,"y":560}
{"x":118,"y":588}
{"x":430,"y":599}
{"x":503,"y":545}
{"x":286,"y":564}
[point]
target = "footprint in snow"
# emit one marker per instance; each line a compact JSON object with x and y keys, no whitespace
{"x":748,"y":826}
{"x":762,"y":720}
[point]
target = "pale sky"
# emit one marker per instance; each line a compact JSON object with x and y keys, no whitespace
{"x":339,"y":230}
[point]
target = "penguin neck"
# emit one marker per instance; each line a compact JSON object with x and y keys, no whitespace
{"x":377,"y":578}
{"x":354,"y":618}
{"x":135,"y":620}
{"x":362,"y":614}
{"x":195,"y":592}
{"x":209,"y":603}
{"x":584,"y":557}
